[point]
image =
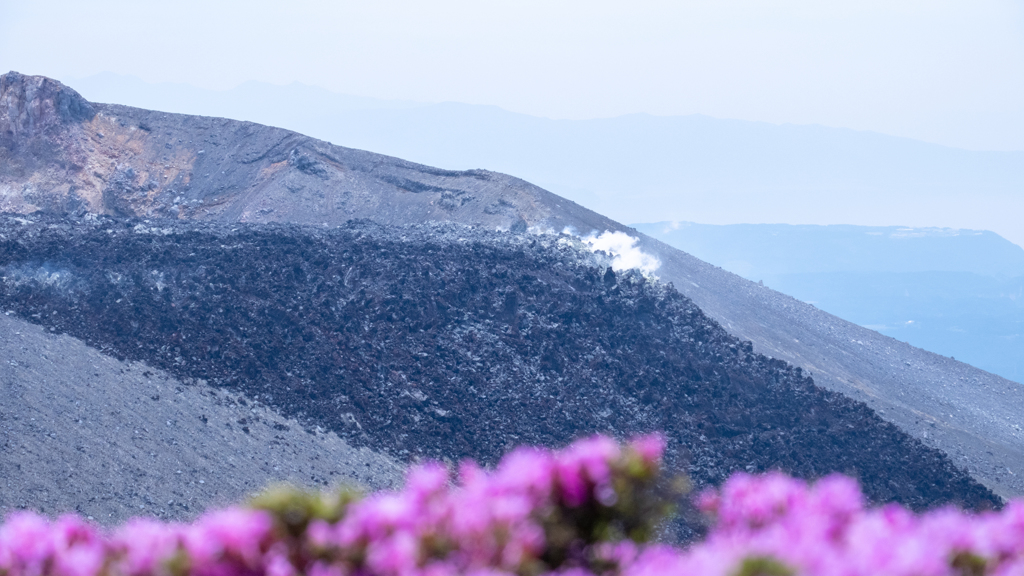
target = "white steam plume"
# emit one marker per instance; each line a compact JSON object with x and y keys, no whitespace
{"x":624,"y":252}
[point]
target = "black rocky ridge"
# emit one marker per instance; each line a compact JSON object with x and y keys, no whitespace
{"x":443,"y":341}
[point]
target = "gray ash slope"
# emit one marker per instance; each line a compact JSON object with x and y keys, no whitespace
{"x":444,"y":341}
{"x":83,"y":432}
{"x":59,"y":153}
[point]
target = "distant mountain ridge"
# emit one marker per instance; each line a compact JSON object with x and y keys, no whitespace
{"x":138,"y":163}
{"x":758,"y":250}
{"x":957,"y":293}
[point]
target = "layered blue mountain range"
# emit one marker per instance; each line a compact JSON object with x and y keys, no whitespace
{"x":958,"y":293}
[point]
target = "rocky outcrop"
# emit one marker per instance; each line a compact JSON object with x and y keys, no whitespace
{"x":31,"y":106}
{"x":42,"y":150}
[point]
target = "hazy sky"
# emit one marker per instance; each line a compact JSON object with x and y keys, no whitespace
{"x":937,"y":70}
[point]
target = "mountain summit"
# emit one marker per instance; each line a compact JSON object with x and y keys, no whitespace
{"x":32,"y":104}
{"x":62,"y":153}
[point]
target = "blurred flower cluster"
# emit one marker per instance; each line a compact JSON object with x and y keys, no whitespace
{"x":589,"y":509}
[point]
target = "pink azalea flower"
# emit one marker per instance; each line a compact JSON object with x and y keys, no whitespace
{"x":649,"y":447}
{"x":146,"y":544}
{"x":25,"y":544}
{"x":493,"y":524}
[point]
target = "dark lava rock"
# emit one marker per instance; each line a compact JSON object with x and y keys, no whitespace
{"x":443,"y":341}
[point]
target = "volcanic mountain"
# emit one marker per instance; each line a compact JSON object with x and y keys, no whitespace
{"x":62,"y":154}
{"x":444,"y":341}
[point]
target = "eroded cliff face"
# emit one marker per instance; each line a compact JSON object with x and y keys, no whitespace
{"x":35,"y":104}
{"x":40,"y":143}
